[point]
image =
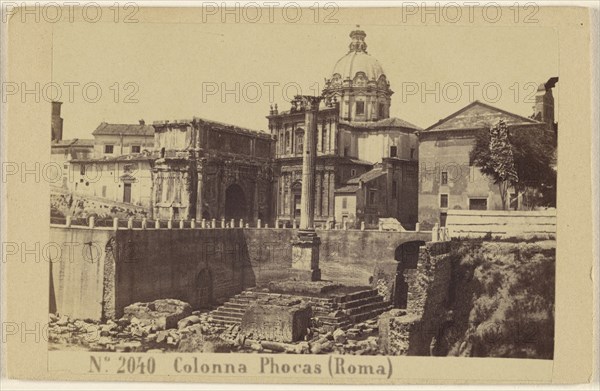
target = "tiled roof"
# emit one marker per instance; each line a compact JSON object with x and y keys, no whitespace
{"x":124,"y":129}
{"x":367,"y":176}
{"x":359,"y":161}
{"x":347,"y":189}
{"x":478,"y":115}
{"x":83,"y":142}
{"x":392,"y":122}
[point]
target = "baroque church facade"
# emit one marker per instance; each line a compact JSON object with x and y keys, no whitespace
{"x":355,"y":136}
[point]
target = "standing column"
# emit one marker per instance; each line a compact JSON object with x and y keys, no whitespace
{"x":319,"y":189}
{"x":255,"y":203}
{"x":307,"y":202}
{"x":288,"y":196}
{"x":305,"y":248}
{"x":332,"y":194}
{"x":200,"y":178}
{"x":326,"y":201}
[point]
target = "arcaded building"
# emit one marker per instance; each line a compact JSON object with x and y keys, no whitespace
{"x":355,"y":132}
{"x":210,"y":170}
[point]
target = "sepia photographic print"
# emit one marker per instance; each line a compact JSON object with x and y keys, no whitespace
{"x":299,"y":192}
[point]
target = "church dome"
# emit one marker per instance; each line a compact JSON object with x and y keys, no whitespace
{"x":357,"y":60}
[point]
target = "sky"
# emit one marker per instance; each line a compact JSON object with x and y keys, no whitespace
{"x":169,"y":71}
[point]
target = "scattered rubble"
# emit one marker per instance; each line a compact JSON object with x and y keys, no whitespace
{"x":150,"y":327}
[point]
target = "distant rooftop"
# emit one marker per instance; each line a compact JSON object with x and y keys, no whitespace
{"x":80,"y":142}
{"x":367,"y":176}
{"x":478,"y":115}
{"x":124,"y":129}
{"x":392,"y":122}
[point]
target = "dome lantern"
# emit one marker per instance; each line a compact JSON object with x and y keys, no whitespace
{"x":359,"y":83}
{"x":358,"y":43}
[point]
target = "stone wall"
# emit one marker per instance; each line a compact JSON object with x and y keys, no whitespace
{"x":200,"y":266}
{"x":348,"y":257}
{"x":415,"y":330}
{"x":503,"y":223}
{"x":77,"y":272}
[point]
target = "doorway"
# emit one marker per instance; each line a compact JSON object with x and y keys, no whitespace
{"x":235,"y":203}
{"x":127,"y":192}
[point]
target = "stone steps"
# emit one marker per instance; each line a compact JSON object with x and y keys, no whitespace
{"x":357,"y":303}
{"x":340,"y":311}
{"x":361,"y":317}
{"x":357,"y":295}
{"x":224,"y":319}
{"x":365,"y":308}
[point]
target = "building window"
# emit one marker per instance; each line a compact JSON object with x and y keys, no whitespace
{"x":394,"y":189}
{"x":477,"y":203}
{"x":103,"y":191}
{"x":443,"y":200}
{"x":381,"y":110}
{"x":393,"y":151}
{"x":345,"y":203}
{"x":412,"y":153}
{"x":136,"y":149}
{"x":360,"y":108}
{"x":108,"y":149}
{"x":82,"y":169}
{"x":352,"y":173}
{"x":444,"y":177}
{"x":372,"y":197}
{"x":299,"y":143}
{"x":346,"y":151}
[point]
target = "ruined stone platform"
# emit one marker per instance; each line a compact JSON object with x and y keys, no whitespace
{"x":300,"y":287}
{"x":333,"y":306}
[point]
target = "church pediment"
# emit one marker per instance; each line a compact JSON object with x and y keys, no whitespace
{"x":478,"y":115}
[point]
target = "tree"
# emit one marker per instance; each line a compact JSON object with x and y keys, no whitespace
{"x":533,"y":156}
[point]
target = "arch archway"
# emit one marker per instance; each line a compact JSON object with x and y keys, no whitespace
{"x":407,"y":256}
{"x":235,"y":203}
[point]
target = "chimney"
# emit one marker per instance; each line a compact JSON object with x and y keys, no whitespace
{"x":544,"y":104}
{"x":56,"y":122}
{"x":142,"y":122}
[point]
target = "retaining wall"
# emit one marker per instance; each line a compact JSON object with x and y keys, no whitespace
{"x":199,"y":265}
{"x":513,"y":223}
{"x":77,"y":272}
